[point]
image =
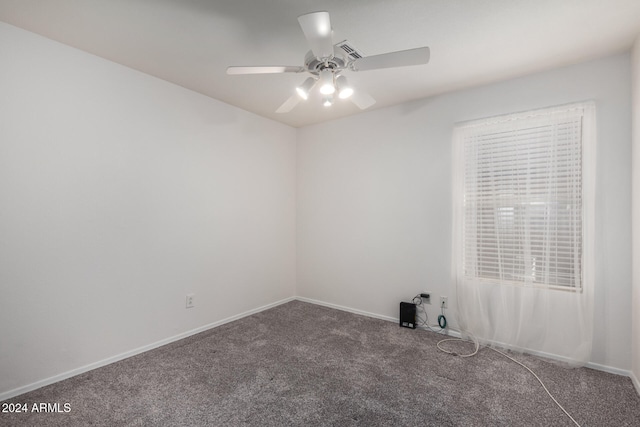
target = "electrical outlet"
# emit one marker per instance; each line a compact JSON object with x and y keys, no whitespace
{"x":426,"y":297}
{"x":444,"y":302}
{"x":191,"y":300}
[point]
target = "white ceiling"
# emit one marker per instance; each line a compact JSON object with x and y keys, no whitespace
{"x":191,"y":42}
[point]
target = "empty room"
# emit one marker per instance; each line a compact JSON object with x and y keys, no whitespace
{"x":341,"y":213}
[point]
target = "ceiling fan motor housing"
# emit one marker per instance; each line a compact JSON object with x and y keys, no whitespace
{"x":338,"y":62}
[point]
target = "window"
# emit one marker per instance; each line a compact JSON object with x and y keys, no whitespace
{"x":521,"y":196}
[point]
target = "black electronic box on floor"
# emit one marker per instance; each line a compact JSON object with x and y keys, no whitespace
{"x":407,"y":315}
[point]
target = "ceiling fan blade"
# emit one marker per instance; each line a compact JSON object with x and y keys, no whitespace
{"x":316,"y":27}
{"x":400,"y":58}
{"x":264,"y":69}
{"x":362,"y":99}
{"x":289,"y":104}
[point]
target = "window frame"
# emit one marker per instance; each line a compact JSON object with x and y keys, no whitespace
{"x":466,"y":130}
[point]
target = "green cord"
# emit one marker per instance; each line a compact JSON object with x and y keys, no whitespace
{"x":442,"y":321}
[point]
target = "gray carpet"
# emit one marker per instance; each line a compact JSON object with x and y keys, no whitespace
{"x":302,"y":364}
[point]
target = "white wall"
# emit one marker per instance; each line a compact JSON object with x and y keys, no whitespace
{"x":121,"y":193}
{"x":374,"y":196}
{"x":635,"y":308}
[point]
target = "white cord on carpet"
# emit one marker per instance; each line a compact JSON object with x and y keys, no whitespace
{"x":510,"y":358}
{"x":456,"y":354}
{"x":541,"y":383}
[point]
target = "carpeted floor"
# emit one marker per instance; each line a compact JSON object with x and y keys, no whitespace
{"x":303,"y":364}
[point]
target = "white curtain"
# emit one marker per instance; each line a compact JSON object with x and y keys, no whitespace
{"x":523,"y":261}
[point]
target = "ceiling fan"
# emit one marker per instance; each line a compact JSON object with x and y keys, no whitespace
{"x":326,"y":62}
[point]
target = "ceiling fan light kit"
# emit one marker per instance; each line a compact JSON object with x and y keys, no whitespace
{"x":326,"y":82}
{"x":326,"y":61}
{"x":305,"y":88}
{"x":344,"y":89}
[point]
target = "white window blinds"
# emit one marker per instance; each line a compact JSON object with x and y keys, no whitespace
{"x":522,"y":198}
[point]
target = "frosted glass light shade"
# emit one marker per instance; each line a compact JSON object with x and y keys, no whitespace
{"x":326,"y":82}
{"x":344,"y":89}
{"x":305,"y":88}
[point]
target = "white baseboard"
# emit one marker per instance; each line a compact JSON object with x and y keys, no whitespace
{"x":609,"y":369}
{"x":456,"y":334}
{"x":348,"y":309}
{"x":635,"y":382}
{"x":72,"y":373}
